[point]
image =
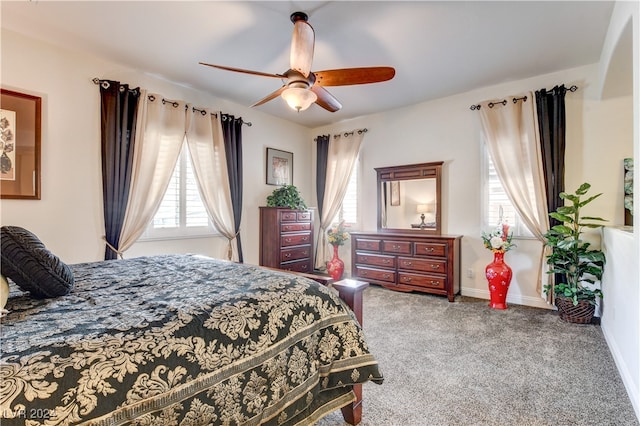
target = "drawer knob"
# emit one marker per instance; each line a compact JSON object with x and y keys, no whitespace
{"x":429,"y":249}
{"x":288,"y":240}
{"x":407,"y":279}
{"x":435,"y":266}
{"x":396,"y":247}
{"x":409,"y":263}
{"x":434,"y":282}
{"x":386,"y":261}
{"x":365,"y":258}
{"x":305,"y":238}
{"x":288,"y":255}
{"x":386,"y":276}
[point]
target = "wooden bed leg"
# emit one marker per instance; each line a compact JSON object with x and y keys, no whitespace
{"x":351,"y":292}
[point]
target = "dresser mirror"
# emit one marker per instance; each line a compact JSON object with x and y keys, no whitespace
{"x":410,"y":198}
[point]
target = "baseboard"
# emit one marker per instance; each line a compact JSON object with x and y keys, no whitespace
{"x":626,"y":376}
{"x":516,"y":299}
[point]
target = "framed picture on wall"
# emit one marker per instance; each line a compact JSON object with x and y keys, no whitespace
{"x":20,"y":127}
{"x":279,"y":167}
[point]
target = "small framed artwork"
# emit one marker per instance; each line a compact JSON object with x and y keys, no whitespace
{"x":20,"y":127}
{"x":395,"y":193}
{"x":279,"y":167}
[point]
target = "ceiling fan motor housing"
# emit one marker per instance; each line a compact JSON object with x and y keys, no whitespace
{"x":299,"y":16}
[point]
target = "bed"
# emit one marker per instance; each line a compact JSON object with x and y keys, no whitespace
{"x":180,"y":340}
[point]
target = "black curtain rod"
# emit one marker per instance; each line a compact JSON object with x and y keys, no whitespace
{"x":360,"y":131}
{"x":504,"y":101}
{"x":175,"y":104}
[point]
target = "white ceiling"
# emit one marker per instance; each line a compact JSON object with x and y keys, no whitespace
{"x":438,"y":48}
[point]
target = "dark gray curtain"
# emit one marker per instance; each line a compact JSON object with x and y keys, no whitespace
{"x":119,"y":108}
{"x":552,"y":125}
{"x":232,"y":133}
{"x":322,"y":154}
{"x":322,"y":157}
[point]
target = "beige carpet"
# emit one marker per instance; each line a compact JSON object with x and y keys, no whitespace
{"x":462,"y":363}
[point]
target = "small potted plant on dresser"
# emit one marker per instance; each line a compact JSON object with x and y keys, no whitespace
{"x":573,"y":258}
{"x":286,"y":196}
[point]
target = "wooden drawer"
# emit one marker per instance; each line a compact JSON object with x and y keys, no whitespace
{"x":376,"y":260}
{"x":400,"y":247}
{"x":372,"y":245}
{"x":287,"y":255}
{"x":289,"y":216}
{"x":294,"y":227}
{"x":375,"y":274}
{"x":295,"y":239}
{"x":303,"y":216}
{"x":298,"y":266}
{"x":423,"y":265}
{"x":430,"y":281}
{"x":430,"y":249}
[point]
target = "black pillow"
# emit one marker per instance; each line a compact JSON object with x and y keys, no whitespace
{"x":31,"y":266}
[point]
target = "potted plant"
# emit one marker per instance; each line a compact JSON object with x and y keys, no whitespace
{"x":573,"y":257}
{"x":286,"y":196}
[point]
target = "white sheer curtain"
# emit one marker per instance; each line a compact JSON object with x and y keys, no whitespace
{"x":511,"y":133}
{"x":206,"y":149}
{"x":343,"y":153}
{"x":158,"y":141}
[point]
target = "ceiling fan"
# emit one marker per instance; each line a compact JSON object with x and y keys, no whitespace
{"x":302,"y":87}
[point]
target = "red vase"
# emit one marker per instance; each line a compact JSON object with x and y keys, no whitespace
{"x":499,"y":276}
{"x":335,"y":267}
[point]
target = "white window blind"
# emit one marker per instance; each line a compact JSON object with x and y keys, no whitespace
{"x":182,"y":212}
{"x":349,"y":208}
{"x":496,"y":200}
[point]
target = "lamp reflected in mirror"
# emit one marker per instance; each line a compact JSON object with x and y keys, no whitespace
{"x":421,"y":209}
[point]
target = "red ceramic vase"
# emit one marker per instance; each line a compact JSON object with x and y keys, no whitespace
{"x":335,"y":267}
{"x":499,"y":276}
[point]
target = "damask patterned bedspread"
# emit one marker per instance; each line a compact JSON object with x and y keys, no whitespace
{"x":180,"y":340}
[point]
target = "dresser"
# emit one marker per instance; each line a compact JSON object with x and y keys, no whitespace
{"x":408,"y":261}
{"x":286,"y":239}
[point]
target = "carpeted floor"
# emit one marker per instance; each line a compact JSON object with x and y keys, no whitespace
{"x":462,"y":363}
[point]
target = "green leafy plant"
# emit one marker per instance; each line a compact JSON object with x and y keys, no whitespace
{"x":286,"y":196}
{"x":571,"y":256}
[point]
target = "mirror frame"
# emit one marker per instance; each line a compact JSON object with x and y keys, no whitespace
{"x":412,"y":172}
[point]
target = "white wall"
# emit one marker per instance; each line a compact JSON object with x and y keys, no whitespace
{"x":68,"y":218}
{"x":620,"y":75}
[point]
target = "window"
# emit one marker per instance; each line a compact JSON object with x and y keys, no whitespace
{"x":496,"y":200}
{"x":181,"y":213}
{"x":349,"y":208}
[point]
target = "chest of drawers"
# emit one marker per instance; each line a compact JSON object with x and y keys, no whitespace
{"x":407,"y":261}
{"x":286,"y":239}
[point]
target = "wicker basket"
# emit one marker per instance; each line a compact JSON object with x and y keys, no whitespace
{"x":582,"y":313}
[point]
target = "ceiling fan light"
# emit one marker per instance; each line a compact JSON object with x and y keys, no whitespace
{"x":299,"y":98}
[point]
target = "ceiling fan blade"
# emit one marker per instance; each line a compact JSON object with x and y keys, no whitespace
{"x":270,"y":96}
{"x":302,"y":44}
{"x":349,"y":76}
{"x":263,"y":74}
{"x":325,"y":99}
